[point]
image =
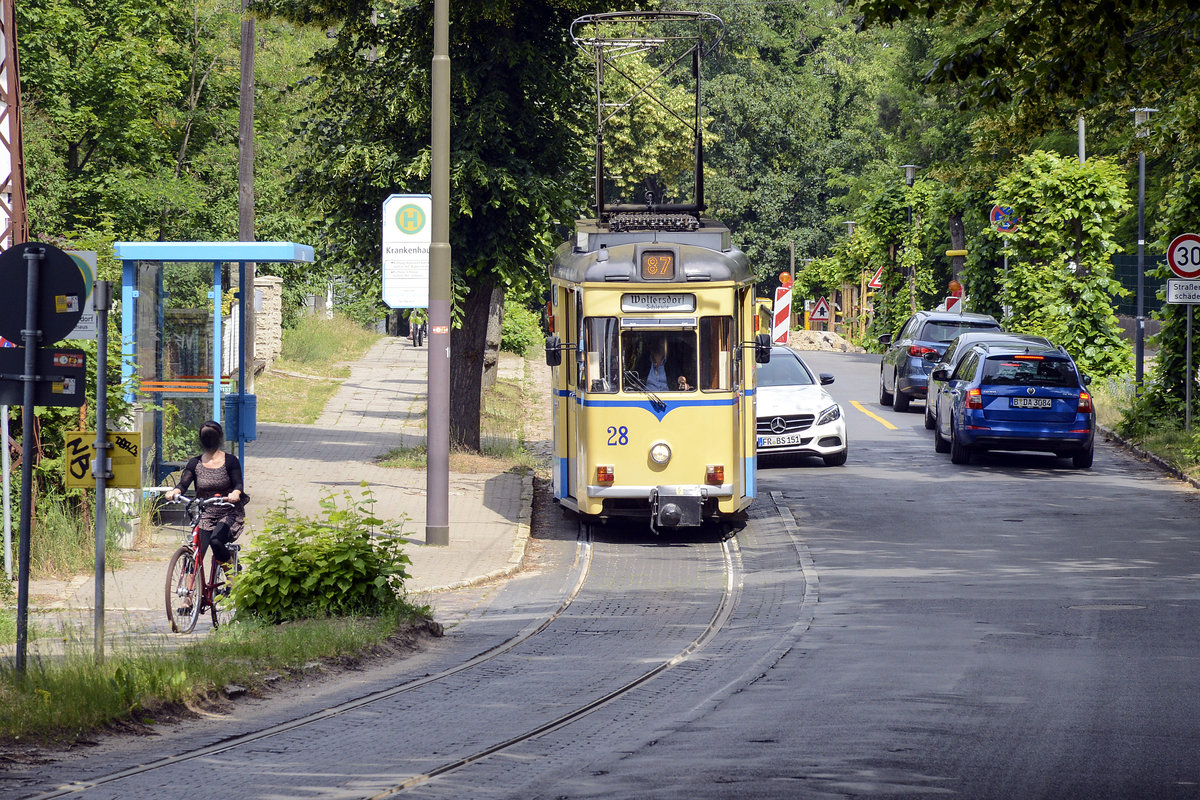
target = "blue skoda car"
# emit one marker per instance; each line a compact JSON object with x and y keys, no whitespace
{"x":1004,"y":397}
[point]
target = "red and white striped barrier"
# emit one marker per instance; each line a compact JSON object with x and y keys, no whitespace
{"x":783,"y":315}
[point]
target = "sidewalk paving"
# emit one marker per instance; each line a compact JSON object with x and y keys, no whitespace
{"x":381,"y":406}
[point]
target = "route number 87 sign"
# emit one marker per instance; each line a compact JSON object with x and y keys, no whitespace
{"x":1183,"y":255}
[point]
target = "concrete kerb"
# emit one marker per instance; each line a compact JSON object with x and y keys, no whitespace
{"x":1146,"y":455}
{"x":515,"y":558}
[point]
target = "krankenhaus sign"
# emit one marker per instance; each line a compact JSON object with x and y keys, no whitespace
{"x":406,"y":238}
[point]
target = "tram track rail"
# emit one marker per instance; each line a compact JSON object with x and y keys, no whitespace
{"x":724,"y":610}
{"x":579,"y":570}
{"x":577,"y":578}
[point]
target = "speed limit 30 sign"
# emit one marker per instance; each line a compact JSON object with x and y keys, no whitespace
{"x":1183,"y":255}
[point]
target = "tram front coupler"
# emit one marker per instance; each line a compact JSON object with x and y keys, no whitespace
{"x":676,"y":507}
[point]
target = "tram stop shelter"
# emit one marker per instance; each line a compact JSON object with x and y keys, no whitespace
{"x":183,"y":334}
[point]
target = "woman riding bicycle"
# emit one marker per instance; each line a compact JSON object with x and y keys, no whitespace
{"x":215,"y":473}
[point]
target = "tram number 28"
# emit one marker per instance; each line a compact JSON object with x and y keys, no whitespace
{"x":618,"y":436}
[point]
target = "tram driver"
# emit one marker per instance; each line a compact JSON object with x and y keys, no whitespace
{"x":659,"y":374}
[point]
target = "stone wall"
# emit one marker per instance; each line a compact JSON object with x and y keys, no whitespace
{"x":268,"y":319}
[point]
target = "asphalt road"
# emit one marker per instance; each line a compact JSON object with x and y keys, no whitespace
{"x":897,"y":627}
{"x":1011,"y":629}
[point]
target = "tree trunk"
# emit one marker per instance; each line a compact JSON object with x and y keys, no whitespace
{"x":958,"y":241}
{"x":491,"y":356}
{"x":467,"y":345}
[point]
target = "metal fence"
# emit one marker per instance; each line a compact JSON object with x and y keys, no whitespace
{"x":1125,"y":270}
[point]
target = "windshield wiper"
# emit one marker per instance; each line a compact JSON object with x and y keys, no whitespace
{"x":636,"y":382}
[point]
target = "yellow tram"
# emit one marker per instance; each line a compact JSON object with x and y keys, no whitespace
{"x":652,"y":320}
{"x":652,"y":351}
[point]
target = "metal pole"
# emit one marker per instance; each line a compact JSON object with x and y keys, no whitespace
{"x":217,"y":345}
{"x":248,"y":322}
{"x":1004,"y":297}
{"x":1082,"y":150}
{"x":243,"y":352}
{"x":1187,"y":378}
{"x":101,"y":295}
{"x":1140,"y":353}
{"x":7,"y":467}
{"x":437,"y":465}
{"x":30,"y":335}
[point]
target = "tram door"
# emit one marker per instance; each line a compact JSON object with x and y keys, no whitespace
{"x":570,"y":411}
{"x":745,"y":406}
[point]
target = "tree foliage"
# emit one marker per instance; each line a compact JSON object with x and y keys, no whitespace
{"x":1162,"y":401}
{"x":518,"y":171}
{"x":1034,"y":49}
{"x":1060,"y":283}
{"x":792,"y":94}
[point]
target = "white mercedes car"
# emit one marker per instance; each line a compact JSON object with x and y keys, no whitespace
{"x":794,"y":414}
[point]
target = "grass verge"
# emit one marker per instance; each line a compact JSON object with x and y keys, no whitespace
{"x":63,"y":697}
{"x":1169,"y":442}
{"x":502,"y":436}
{"x":322,"y":346}
{"x":290,"y":400}
{"x":316,"y":348}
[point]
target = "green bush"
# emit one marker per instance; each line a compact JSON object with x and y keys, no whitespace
{"x":348,"y":563}
{"x":522,"y":330}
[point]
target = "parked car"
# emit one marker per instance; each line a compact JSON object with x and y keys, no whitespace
{"x":903,"y":370}
{"x":955,"y":351}
{"x":1006,"y":397}
{"x":794,"y":415}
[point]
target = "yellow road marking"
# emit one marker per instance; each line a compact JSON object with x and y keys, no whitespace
{"x":875,"y":417}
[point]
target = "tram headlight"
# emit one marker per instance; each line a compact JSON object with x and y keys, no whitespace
{"x":660,"y":453}
{"x":829,"y":414}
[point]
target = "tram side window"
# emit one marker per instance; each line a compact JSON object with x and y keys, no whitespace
{"x":659,"y":361}
{"x":600,"y":345}
{"x":716,"y":353}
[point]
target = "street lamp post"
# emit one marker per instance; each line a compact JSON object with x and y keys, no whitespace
{"x":849,"y":227}
{"x":1140,"y":117}
{"x":910,"y":175}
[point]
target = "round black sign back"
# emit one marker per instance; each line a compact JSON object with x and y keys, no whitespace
{"x":60,"y":297}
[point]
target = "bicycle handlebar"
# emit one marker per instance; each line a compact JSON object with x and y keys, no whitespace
{"x":207,"y":501}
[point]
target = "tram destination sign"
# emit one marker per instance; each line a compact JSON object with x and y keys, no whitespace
{"x":1184,"y":292}
{"x":658,"y":302}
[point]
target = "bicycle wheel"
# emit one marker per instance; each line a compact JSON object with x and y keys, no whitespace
{"x":222,"y":608}
{"x":183,"y":604}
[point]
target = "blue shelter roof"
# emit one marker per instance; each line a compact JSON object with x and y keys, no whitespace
{"x":213,"y":251}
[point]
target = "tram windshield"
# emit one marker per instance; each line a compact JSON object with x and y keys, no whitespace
{"x":648,"y":360}
{"x":659,"y":361}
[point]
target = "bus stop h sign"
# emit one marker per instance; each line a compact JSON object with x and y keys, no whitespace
{"x":407,"y":234}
